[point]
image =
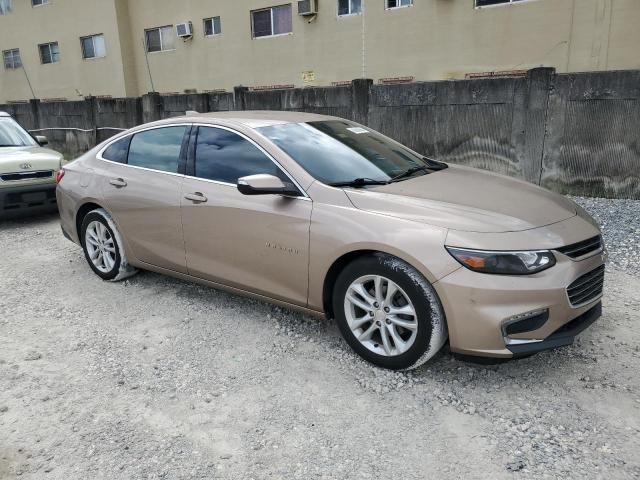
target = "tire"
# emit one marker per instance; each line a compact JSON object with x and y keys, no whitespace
{"x":102,"y":245}
{"x":391,"y":337}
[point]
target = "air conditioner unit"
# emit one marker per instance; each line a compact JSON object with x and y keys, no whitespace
{"x":307,"y":7}
{"x":184,"y":30}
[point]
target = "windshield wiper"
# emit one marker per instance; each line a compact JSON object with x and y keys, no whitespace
{"x":359,"y":182}
{"x":435,"y":164}
{"x":409,"y":172}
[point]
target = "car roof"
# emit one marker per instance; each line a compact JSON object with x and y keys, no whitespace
{"x":4,"y":114}
{"x":258,"y":118}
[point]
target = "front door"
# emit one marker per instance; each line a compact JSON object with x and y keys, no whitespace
{"x":143,"y":194}
{"x":257,"y":243}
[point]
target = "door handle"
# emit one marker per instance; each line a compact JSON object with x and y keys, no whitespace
{"x":118,"y":182}
{"x":196,"y":197}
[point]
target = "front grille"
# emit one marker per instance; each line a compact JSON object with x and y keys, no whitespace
{"x":587,"y":287}
{"x":13,"y":177}
{"x":582,"y":248}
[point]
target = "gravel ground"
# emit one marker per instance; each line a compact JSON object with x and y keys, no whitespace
{"x":161,"y":379}
{"x":620,"y":223}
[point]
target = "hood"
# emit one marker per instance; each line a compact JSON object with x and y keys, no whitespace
{"x":466,"y":199}
{"x":11,"y":159}
{"x":28,"y":159}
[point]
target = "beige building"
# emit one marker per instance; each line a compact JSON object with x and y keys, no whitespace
{"x":75,"y":48}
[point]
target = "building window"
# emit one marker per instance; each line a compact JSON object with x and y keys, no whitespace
{"x":5,"y":6}
{"x":160,"y":39}
{"x":12,"y":59}
{"x":397,"y":3}
{"x":49,"y":53}
{"x":93,"y":46}
{"x":37,"y":3}
{"x":271,"y":21}
{"x":486,"y":3}
{"x":349,"y":7}
{"x":212,"y":26}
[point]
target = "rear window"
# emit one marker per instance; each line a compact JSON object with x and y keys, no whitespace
{"x":117,"y":151}
{"x":157,"y":149}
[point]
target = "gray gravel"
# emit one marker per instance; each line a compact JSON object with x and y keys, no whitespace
{"x":157,"y":378}
{"x":620,"y":223}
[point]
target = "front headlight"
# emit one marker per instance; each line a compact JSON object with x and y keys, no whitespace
{"x":504,"y":263}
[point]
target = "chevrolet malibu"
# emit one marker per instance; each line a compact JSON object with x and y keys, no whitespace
{"x":27,"y":171}
{"x":330,"y":217}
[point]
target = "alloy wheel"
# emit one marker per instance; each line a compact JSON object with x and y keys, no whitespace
{"x":100,"y":246}
{"x":381,"y":315}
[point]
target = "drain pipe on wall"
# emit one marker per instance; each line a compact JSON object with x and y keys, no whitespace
{"x":364,"y":64}
{"x":146,"y":57}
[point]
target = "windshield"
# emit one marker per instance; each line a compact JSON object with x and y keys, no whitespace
{"x":338,"y":151}
{"x":13,"y":135}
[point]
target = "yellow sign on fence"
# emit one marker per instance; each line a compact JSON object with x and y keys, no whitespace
{"x":309,"y":76}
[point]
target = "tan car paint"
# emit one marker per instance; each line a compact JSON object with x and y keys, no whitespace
{"x":476,"y":310}
{"x":495,"y":207}
{"x":258,"y":243}
{"x":247,"y":244}
{"x":149,"y":204}
{"x":552,"y":236}
{"x":340,"y":229}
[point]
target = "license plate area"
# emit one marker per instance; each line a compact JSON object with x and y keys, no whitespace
{"x":34,"y":197}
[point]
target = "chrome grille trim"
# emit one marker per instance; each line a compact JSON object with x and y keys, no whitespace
{"x":585,"y":247}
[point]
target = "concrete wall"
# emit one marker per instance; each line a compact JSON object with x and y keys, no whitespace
{"x":572,"y":133}
{"x":592,"y":145}
{"x":430,"y":40}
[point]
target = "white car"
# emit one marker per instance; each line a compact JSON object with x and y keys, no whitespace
{"x":27,"y":171}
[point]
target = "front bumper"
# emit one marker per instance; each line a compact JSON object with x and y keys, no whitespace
{"x":478,"y":306}
{"x":29,"y":199}
{"x":562,"y":337}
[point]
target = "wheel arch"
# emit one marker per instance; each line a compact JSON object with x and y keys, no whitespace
{"x":343,"y":260}
{"x":82,"y":212}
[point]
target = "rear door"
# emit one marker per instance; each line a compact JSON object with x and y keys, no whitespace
{"x":257,"y":243}
{"x":143,"y":193}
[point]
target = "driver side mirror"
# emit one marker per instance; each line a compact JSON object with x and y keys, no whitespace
{"x":42,"y":140}
{"x":264,"y":184}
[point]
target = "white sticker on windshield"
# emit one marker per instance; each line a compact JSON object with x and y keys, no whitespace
{"x":358,"y":130}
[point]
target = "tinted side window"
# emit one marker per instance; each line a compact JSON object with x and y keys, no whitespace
{"x":225,"y":156}
{"x":117,"y":151}
{"x":158,"y":149}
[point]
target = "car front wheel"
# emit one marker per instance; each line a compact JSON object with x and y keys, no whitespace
{"x":388,"y":312}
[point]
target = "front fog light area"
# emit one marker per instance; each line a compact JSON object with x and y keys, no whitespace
{"x":503,"y":263}
{"x":525,"y":322}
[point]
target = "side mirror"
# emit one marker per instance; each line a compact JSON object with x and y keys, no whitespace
{"x":42,"y":140}
{"x":263,"y":184}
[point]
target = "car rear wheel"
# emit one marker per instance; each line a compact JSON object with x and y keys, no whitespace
{"x":103,"y":246}
{"x":388,"y":312}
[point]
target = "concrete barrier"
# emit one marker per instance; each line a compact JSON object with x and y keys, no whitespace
{"x":575,"y":133}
